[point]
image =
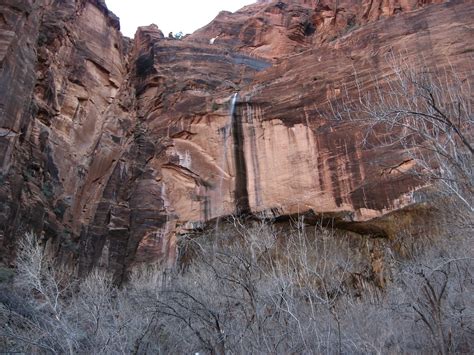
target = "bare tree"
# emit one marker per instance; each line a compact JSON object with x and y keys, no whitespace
{"x":42,"y":321}
{"x":428,"y":111}
{"x":255,"y":287}
{"x":47,"y":310}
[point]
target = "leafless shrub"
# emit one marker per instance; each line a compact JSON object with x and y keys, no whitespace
{"x":48,"y":311}
{"x":43,"y":287}
{"x":255,"y":287}
{"x":263,"y":291}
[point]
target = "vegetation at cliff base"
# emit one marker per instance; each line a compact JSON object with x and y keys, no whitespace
{"x":254,"y":287}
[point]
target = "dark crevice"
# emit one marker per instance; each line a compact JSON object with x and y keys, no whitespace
{"x":241,"y":194}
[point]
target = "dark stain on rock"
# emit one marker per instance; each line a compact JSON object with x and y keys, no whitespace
{"x":241,"y":193}
{"x":145,"y":64}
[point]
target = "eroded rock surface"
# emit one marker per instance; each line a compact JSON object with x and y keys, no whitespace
{"x":110,"y":146}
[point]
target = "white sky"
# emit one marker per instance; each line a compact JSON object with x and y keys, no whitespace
{"x":170,"y":15}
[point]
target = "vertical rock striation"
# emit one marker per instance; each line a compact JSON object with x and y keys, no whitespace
{"x":61,"y":74}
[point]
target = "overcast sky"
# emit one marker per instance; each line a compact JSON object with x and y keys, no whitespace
{"x":170,"y":15}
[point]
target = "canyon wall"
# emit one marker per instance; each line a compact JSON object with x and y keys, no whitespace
{"x":111,"y":147}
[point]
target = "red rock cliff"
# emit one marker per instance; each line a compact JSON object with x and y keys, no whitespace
{"x":108,"y":147}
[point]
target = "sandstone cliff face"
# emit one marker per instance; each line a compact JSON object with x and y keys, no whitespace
{"x":272,"y":29}
{"x":62,"y":69}
{"x":109,"y":147}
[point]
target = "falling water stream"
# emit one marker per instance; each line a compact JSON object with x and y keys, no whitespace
{"x":227,"y":132}
{"x":233,"y":102}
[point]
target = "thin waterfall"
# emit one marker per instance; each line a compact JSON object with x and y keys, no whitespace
{"x":228,"y":128}
{"x":233,"y":103}
{"x":227,"y":131}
